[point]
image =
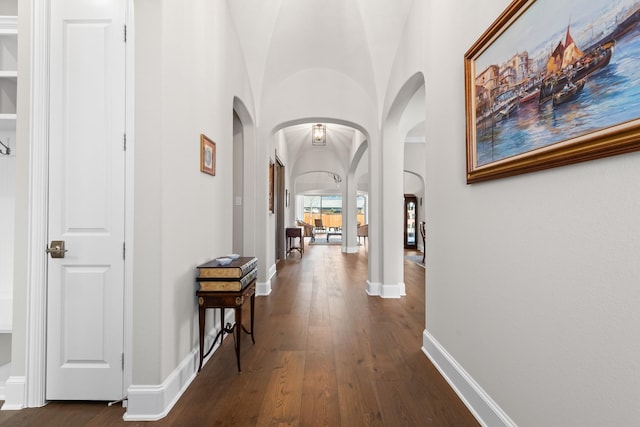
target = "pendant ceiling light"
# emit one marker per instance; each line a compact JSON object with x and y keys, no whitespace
{"x":319,"y":134}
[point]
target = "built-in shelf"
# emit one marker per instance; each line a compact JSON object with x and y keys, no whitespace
{"x":8,"y":94}
{"x":5,"y":313}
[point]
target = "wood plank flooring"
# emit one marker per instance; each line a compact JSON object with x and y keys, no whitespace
{"x":326,"y":354}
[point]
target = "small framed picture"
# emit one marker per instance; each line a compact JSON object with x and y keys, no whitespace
{"x":271,"y":187}
{"x":207,"y":155}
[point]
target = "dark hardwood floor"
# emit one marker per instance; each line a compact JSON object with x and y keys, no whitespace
{"x":326,"y":354}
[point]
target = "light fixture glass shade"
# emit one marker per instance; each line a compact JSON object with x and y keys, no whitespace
{"x":319,"y":135}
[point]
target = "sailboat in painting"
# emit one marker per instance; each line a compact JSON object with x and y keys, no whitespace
{"x":569,"y":64}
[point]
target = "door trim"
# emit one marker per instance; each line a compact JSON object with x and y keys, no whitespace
{"x":129,"y":196}
{"x":35,"y":329}
{"x":35,"y":351}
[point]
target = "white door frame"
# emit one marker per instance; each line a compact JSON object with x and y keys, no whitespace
{"x":35,"y":351}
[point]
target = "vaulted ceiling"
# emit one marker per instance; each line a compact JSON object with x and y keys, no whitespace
{"x":358,"y":38}
{"x":354,"y":38}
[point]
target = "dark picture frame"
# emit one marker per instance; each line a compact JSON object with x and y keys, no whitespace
{"x":271,"y":186}
{"x":207,"y":155}
{"x":582,"y":110}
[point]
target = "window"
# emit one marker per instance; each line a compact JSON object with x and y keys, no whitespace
{"x":329,"y":209}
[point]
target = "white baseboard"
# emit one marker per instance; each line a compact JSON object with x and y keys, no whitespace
{"x":272,"y":272}
{"x":374,"y":289}
{"x":386,"y":291}
{"x":397,"y":290}
{"x":350,"y":249}
{"x":264,"y":288}
{"x":14,"y":394}
{"x":483,"y":408}
{"x":153,"y":402}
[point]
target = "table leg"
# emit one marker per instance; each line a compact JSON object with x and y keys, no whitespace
{"x":201,"y":311}
{"x":222,"y":326}
{"x":253,"y":300}
{"x":238,"y":333}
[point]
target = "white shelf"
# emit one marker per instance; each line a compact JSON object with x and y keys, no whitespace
{"x":8,"y":69}
{"x":8,"y":84}
{"x":9,"y":25}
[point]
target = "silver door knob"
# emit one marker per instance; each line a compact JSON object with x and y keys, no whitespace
{"x":56,"y":249}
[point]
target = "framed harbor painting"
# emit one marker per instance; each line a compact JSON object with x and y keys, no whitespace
{"x":552,"y":83}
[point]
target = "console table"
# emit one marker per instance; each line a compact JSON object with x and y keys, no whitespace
{"x":222,"y":300}
{"x":292,"y":233}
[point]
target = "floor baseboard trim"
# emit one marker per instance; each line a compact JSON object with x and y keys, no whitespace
{"x":483,"y":408}
{"x":14,"y":394}
{"x":263,"y":289}
{"x":272,"y":272}
{"x":154,"y":402}
{"x":393,"y":291}
{"x":386,"y":291}
{"x":374,"y":289}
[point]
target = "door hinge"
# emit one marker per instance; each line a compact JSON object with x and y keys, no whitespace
{"x":125,"y":33}
{"x":122,"y":361}
{"x":124,"y":141}
{"x":124,"y":250}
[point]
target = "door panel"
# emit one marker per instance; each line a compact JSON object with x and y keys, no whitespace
{"x":86,"y":201}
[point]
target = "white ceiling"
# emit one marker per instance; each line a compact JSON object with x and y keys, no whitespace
{"x":356,"y":38}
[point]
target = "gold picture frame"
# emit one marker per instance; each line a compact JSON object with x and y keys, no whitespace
{"x":511,"y":129}
{"x":207,"y":155}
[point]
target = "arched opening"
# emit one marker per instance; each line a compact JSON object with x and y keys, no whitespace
{"x":322,"y":172}
{"x":403,"y":123}
{"x":244,"y":190}
{"x":238,"y":185}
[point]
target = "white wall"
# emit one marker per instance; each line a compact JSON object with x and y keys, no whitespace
{"x":533,"y":280}
{"x":188,"y":70}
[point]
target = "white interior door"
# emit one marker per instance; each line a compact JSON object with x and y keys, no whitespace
{"x":86,"y":200}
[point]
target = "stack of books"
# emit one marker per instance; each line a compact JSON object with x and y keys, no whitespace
{"x":235,"y":276}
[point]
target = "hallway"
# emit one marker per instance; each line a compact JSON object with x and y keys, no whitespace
{"x":326,"y":354}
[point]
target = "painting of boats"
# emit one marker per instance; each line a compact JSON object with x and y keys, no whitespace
{"x":530,"y":95}
{"x":550,"y":73}
{"x":569,"y":91}
{"x":564,"y":69}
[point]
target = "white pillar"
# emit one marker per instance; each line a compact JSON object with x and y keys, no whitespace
{"x":349,"y":213}
{"x":374,"y":282}
{"x":392,"y":214}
